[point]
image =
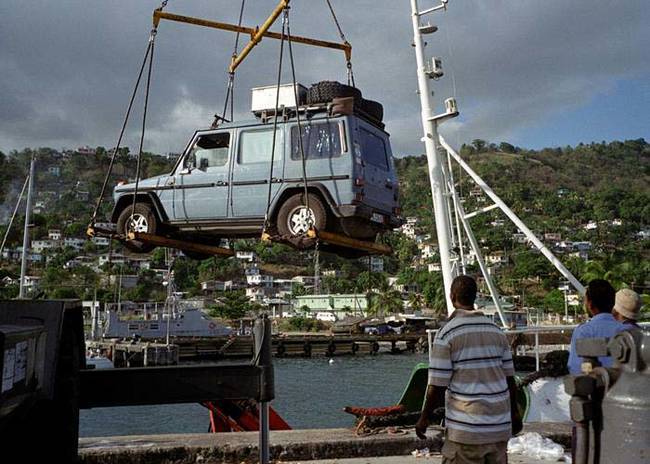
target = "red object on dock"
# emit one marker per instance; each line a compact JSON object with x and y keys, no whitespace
{"x":240,"y":416}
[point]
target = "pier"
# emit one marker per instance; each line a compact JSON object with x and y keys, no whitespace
{"x":287,"y":446}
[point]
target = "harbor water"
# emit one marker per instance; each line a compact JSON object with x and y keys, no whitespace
{"x":310,"y":393}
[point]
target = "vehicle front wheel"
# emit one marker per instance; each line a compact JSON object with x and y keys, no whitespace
{"x":141,"y":219}
{"x":295,"y":219}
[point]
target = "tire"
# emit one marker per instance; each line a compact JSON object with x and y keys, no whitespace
{"x":146,"y":222}
{"x":326,"y":91}
{"x":373,"y":109}
{"x":289,"y":221}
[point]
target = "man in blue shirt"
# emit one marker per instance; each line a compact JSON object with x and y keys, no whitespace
{"x":599,"y":301}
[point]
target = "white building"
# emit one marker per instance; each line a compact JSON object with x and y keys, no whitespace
{"x":54,"y":234}
{"x":101,"y":241}
{"x":41,"y":245}
{"x":75,"y":243}
{"x":409,"y":226}
{"x":496,"y":258}
{"x":428,"y":251}
{"x":248,"y":256}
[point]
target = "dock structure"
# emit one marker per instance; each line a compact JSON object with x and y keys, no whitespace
{"x":195,"y":349}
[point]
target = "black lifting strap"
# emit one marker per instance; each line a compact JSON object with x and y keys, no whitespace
{"x":148,"y":55}
{"x":275,"y":123}
{"x":342,"y":35}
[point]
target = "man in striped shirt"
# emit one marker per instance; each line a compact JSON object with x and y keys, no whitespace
{"x":470,"y":363}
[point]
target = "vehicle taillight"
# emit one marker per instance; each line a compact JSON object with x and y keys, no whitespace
{"x":359,"y":182}
{"x":358,"y":197}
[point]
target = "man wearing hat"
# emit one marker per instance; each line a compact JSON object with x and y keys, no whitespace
{"x":627,"y":306}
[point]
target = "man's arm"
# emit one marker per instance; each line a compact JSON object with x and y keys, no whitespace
{"x":515,"y":417}
{"x":434,"y":399}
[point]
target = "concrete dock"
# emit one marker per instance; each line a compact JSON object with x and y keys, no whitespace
{"x":322,"y":445}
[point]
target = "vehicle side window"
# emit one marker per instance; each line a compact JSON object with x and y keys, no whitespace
{"x":209,"y":152}
{"x":373,"y":149}
{"x":255,"y":146}
{"x":320,"y":140}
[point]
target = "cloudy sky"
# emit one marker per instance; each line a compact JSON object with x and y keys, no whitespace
{"x":532,"y":72}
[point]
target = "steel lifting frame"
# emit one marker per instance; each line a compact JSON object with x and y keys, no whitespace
{"x":182,"y":245}
{"x":256,"y":33}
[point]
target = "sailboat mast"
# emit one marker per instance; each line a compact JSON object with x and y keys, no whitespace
{"x":28,"y":218}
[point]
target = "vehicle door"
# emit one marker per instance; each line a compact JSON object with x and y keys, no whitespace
{"x":378,"y":177}
{"x":252,"y":169}
{"x":201,"y":180}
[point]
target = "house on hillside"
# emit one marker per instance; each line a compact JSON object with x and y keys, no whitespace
{"x":338,"y":305}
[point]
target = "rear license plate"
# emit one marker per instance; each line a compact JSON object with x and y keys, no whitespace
{"x":376,"y":217}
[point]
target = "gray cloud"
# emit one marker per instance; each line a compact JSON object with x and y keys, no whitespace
{"x":68,"y":67}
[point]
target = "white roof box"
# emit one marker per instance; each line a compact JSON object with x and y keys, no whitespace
{"x":263,"y":98}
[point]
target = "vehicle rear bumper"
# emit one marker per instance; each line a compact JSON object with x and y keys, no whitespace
{"x":366,"y":212}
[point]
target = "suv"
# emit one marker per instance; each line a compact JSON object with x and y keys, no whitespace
{"x":219,"y":186}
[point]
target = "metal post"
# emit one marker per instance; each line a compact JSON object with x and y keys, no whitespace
{"x":263,"y":359}
{"x":430,"y":139}
{"x":537,"y":344}
{"x":515,"y":219}
{"x":28,"y":214}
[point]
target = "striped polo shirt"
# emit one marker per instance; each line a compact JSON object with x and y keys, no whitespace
{"x":471,"y":357}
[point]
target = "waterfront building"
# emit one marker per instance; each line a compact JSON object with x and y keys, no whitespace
{"x":339,"y":305}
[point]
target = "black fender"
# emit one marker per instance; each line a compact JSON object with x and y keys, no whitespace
{"x":143,"y":197}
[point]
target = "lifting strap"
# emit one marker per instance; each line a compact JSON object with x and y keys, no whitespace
{"x":275,"y":124}
{"x":348,"y":58}
{"x":230,"y":87}
{"x":147,"y":56}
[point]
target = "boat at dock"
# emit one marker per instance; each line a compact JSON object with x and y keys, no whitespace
{"x":186,"y":323}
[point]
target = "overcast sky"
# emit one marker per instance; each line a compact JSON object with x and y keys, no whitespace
{"x":532,"y":72}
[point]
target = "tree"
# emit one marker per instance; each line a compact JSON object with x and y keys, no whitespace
{"x":479,"y":145}
{"x":384,"y":300}
{"x":234,"y":305}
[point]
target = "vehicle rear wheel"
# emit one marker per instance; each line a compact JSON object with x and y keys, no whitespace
{"x":141,"y":219}
{"x":295,"y":219}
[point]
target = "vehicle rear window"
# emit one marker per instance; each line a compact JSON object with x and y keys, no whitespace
{"x":255,"y":146}
{"x":320,"y":140}
{"x":373,"y":149}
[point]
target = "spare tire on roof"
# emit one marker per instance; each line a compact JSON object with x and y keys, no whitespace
{"x":326,"y":91}
{"x":372,"y":108}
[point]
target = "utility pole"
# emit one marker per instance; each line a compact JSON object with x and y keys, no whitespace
{"x":430,"y":139}
{"x":28,"y":218}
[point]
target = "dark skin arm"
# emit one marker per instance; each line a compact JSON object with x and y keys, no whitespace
{"x":517,"y":423}
{"x":434,"y":399}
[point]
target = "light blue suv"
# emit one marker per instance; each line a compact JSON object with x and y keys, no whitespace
{"x":219,"y":186}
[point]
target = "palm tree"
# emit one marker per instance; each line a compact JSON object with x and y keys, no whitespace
{"x":384,"y":300}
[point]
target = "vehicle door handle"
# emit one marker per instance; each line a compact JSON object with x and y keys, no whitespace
{"x":275,"y":180}
{"x":221,"y":183}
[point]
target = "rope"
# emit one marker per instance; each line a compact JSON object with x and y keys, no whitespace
{"x":121,"y":136}
{"x":295,"y":92}
{"x":13,"y":215}
{"x":126,"y":120}
{"x":345,"y":41}
{"x":275,"y":121}
{"x":230,"y":87}
{"x":152,"y":38}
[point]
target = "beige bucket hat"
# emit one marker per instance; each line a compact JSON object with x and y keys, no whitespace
{"x":628,"y":303}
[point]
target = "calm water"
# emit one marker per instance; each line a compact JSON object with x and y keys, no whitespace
{"x":310,"y":393}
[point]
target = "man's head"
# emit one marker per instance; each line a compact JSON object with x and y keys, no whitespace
{"x":627,"y":305}
{"x":599,"y":297}
{"x":463,"y":292}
